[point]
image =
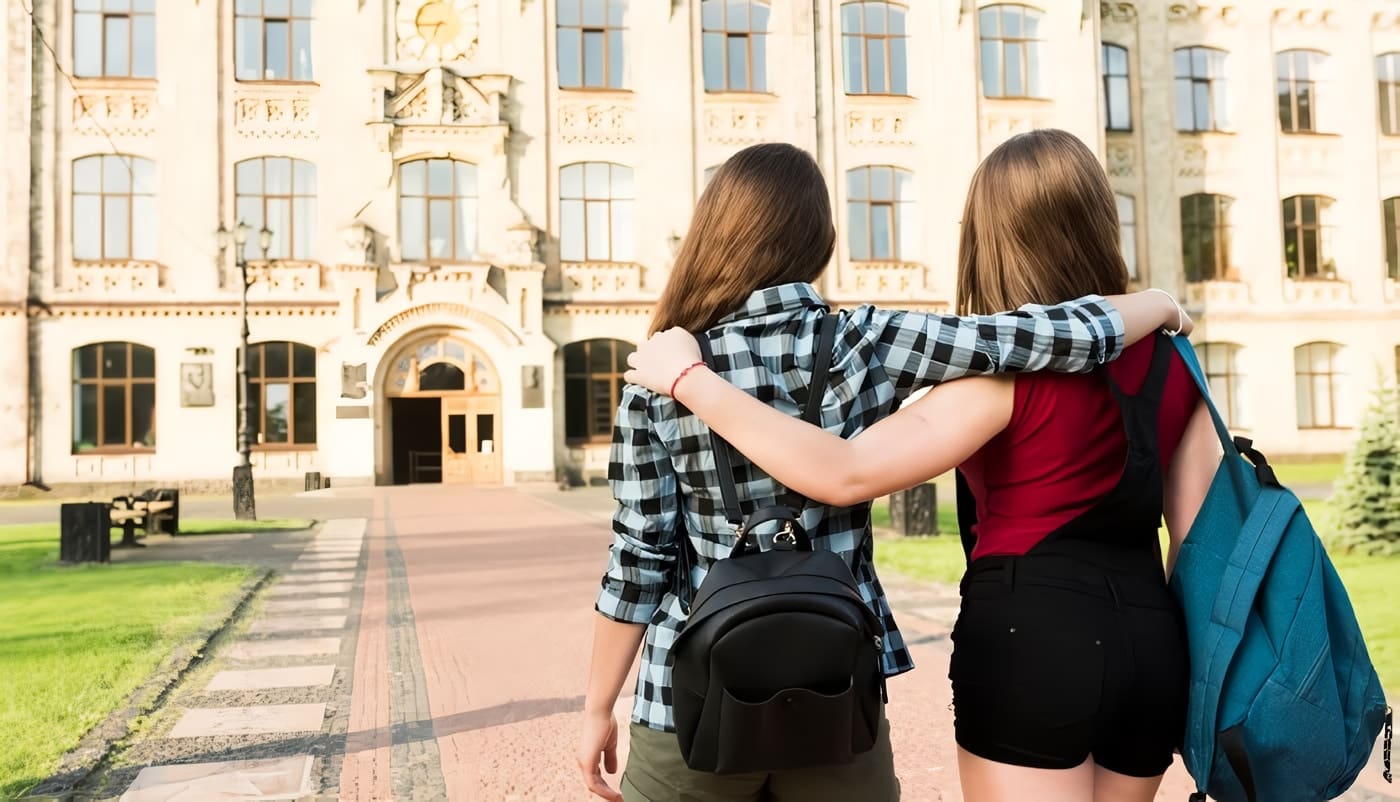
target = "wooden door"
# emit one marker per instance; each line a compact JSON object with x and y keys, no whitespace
{"x":456,"y":440}
{"x":484,"y":445}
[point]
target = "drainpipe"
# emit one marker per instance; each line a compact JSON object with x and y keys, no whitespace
{"x":40,"y":157}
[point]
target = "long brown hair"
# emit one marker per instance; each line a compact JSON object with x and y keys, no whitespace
{"x":1040,"y":226}
{"x":764,"y":220}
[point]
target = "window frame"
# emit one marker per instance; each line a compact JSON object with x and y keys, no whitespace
{"x":1232,"y":378}
{"x":754,"y":83}
{"x":456,"y":197}
{"x":1127,"y":232}
{"x":617,"y":252}
{"x":289,"y":237}
{"x":103,"y":196}
{"x":864,"y":39}
{"x":1217,"y":89}
{"x":620,"y":350}
{"x":1295,"y":227}
{"x":606,"y":31}
{"x":128,"y":382}
{"x":1108,"y":81}
{"x":258,"y":383}
{"x":291,"y":19}
{"x":1221,"y":232}
{"x":1314,"y":61}
{"x":1027,"y":45}
{"x":133,"y":16}
{"x":1334,"y":376}
{"x":901,"y":213}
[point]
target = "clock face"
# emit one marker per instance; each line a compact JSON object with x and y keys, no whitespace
{"x":437,"y":30}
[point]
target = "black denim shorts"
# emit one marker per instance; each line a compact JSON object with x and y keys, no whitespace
{"x":1055,"y":661}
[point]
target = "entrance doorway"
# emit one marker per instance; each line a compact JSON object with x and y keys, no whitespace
{"x":444,"y":413}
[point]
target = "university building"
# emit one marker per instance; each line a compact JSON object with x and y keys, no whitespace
{"x":458,"y":214}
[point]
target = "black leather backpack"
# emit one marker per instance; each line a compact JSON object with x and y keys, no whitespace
{"x":779,"y":664}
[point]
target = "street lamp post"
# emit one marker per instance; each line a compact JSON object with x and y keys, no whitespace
{"x":244,"y":504}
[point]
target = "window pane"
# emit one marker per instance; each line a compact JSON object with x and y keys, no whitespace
{"x":1015,"y":70}
{"x":874,"y":17}
{"x":595,"y":12}
{"x":279,"y":221}
{"x":857,"y":183}
{"x":1181,"y":60}
{"x":301,"y":50}
{"x":1185,"y":118}
{"x":144,"y":228}
{"x":903,"y":185}
{"x":304,"y":177}
{"x":116,"y":174}
{"x":1201,"y":106}
{"x":576,"y":358}
{"x":569,"y":58}
{"x":713,"y":57}
{"x":896,"y":20}
{"x":876,"y":80}
{"x":114,"y":361}
{"x":114,"y":415}
{"x":1119,"y":118}
{"x":143,"y":413}
{"x":276,"y":412}
{"x":620,"y":351}
{"x":593,"y":74}
{"x":1115,"y":60}
{"x":304,"y":412}
{"x":852,"y":58}
{"x":571,"y":181}
{"x":576,"y":408}
{"x":858,"y":229}
{"x":571,"y":236}
{"x":617,"y":59}
{"x":439,"y":229}
{"x":712,"y":15}
{"x":117,"y":42}
{"x":440,"y":177}
{"x":85,"y":362}
{"x":277,"y":58}
{"x":413,"y":178}
{"x":1033,"y":85}
{"x":881,"y":231}
{"x":568,"y":12}
{"x":412,"y":214}
{"x":143,"y":362}
{"x":738,"y":62}
{"x":277,"y":8}
{"x":87,"y":44}
{"x":881,"y":183}
{"x":1323,"y":413}
{"x":304,"y":228}
{"x":991,"y":68}
{"x":143,"y":46}
{"x":87,"y":174}
{"x":899,"y":63}
{"x":598,"y":225}
{"x":466,"y":229}
{"x":600,"y":356}
{"x":596,"y":180}
{"x":1199,"y":65}
{"x":1011,"y":23}
{"x":84,"y":417}
{"x":907,"y":245}
{"x":850,"y":18}
{"x":759,"y":48}
{"x":248,"y":48}
{"x":622,"y":231}
{"x":87,"y":227}
{"x":116,"y":227}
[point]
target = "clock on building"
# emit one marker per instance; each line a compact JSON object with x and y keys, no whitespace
{"x":437,"y":30}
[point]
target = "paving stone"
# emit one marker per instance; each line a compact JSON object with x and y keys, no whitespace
{"x":204,"y":721}
{"x":323,"y":565}
{"x":267,"y":779}
{"x":255,"y":679}
{"x":283,"y":647}
{"x":299,"y":586}
{"x":298,"y":623}
{"x":322,"y":576}
{"x":342,"y":527}
{"x":308,"y":605}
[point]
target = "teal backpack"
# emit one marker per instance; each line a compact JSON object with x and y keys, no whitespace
{"x":1285,"y":705}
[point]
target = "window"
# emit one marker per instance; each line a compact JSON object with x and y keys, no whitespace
{"x":114,"y":38}
{"x":1127,"y":231}
{"x":272,"y":40}
{"x":282,"y":394}
{"x":880,"y":208}
{"x":1200,"y":90}
{"x":1117,"y":95}
{"x":1205,"y":237}
{"x":735,"y":46}
{"x":1318,"y":383}
{"x":593,"y":387}
{"x":437,"y":210}
{"x":1390,"y":209}
{"x":596,"y":213}
{"x":1010,"y":52}
{"x":875,"y":49}
{"x":1299,"y":72}
{"x":279,"y":193}
{"x":114,"y":208}
{"x":1221,"y":364}
{"x":1307,"y":240}
{"x":590,"y":44}
{"x":1388,"y":84}
{"x":114,"y":397}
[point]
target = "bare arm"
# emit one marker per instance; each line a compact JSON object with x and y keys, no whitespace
{"x":921,"y":441}
{"x":1145,"y":312}
{"x":1188,"y":480}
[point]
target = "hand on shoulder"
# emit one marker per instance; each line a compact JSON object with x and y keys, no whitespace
{"x":658,"y":362}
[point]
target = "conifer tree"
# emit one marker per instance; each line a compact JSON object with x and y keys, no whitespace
{"x":1367,"y":498}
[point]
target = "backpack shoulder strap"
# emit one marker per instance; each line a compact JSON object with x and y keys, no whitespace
{"x":728,"y":493}
{"x":1188,"y":355}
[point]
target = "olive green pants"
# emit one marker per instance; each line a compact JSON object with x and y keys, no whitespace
{"x":656,"y":772}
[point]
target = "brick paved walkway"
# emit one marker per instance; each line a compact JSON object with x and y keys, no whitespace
{"x":437,"y":649}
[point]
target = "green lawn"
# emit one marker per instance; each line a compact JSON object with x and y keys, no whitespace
{"x":75,"y":641}
{"x":1299,"y":473}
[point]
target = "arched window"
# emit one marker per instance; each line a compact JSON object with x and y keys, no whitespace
{"x":735,"y":45}
{"x":874,"y":48}
{"x":1201,"y":96}
{"x":114,"y":397}
{"x":1205,"y":237}
{"x":282,"y":394}
{"x":1319,"y":384}
{"x":1127,"y":231}
{"x":1307,"y":237}
{"x":279,"y":193}
{"x":272,"y":40}
{"x":593,"y":387}
{"x":880,"y":213}
{"x":114,"y":208}
{"x":1299,"y":74}
{"x":1222,"y":368}
{"x":114,"y":38}
{"x":437,"y":210}
{"x":1388,"y":86}
{"x":596,"y":213}
{"x":1011,"y":45}
{"x":1117,"y":92}
{"x":590,"y":37}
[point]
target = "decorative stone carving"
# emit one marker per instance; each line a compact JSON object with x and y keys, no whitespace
{"x":1202,"y":11}
{"x":281,"y":278}
{"x":120,"y":113}
{"x":1117,"y":11}
{"x":197,"y":384}
{"x":598,"y":123}
{"x":1305,"y":17}
{"x":353,"y":382}
{"x":1318,"y":293}
{"x":601,"y":280}
{"x":437,"y":30}
{"x":878,"y":127}
{"x":280,"y":113}
{"x":437,"y":104}
{"x":120,"y":279}
{"x":1218,"y":295}
{"x":886,"y":280}
{"x":1312,"y":156}
{"x":1122,"y":159}
{"x":458,"y":311}
{"x":736,"y":125}
{"x":1385,"y":20}
{"x":1001,"y":121}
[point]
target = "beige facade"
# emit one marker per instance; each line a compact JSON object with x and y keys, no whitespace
{"x":474,"y":204}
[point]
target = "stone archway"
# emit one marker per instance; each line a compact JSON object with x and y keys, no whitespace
{"x":442,"y":412}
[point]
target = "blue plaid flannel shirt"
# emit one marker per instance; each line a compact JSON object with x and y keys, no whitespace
{"x":661,"y":463}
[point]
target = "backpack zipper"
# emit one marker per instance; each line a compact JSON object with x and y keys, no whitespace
{"x":1385,"y":746}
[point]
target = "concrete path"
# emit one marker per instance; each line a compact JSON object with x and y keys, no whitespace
{"x":437,"y":648}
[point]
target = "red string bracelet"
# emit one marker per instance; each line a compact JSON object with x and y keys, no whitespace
{"x":691,"y":367}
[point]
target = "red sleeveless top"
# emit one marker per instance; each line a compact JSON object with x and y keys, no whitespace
{"x":1064,"y":449}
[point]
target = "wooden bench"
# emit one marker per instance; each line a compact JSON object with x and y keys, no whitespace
{"x":153,"y":511}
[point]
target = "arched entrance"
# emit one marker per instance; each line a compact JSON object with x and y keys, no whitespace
{"x":443,"y":413}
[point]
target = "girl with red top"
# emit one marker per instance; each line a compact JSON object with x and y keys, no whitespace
{"x":1069,"y":664}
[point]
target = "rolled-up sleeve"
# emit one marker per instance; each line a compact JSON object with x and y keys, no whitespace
{"x":918,"y":350}
{"x":644,"y":484}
